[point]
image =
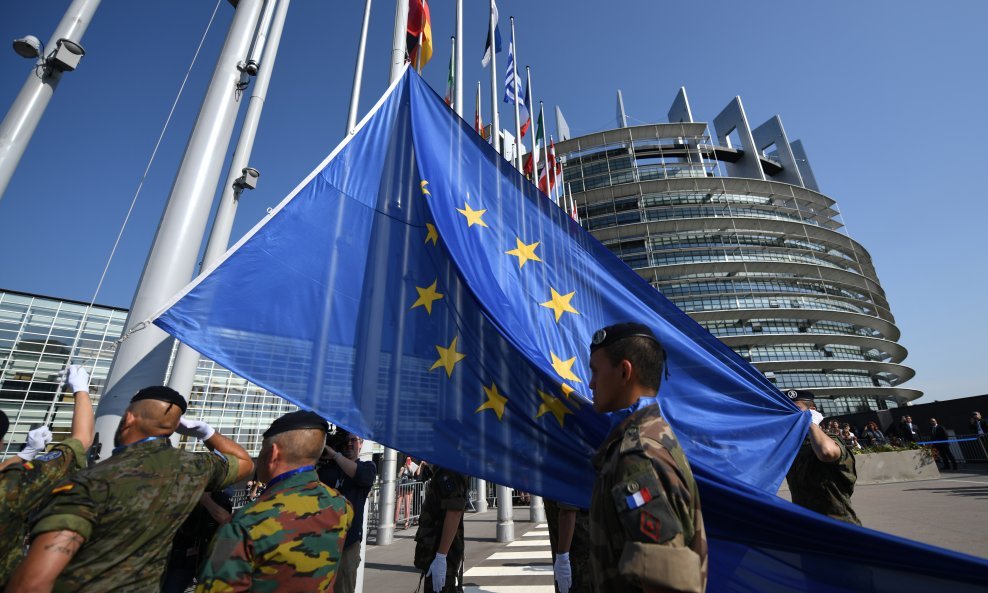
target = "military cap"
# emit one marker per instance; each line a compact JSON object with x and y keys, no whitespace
{"x":4,"y":424}
{"x":296,"y":421}
{"x":164,"y":394}
{"x":799,"y":395}
{"x":613,"y":333}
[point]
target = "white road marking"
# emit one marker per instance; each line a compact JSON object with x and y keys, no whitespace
{"x":509,"y":571}
{"x":524,"y":555}
{"x":537,"y":534}
{"x":530,"y":542}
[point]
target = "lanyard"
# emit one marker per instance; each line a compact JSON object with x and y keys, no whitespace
{"x":288,"y":474}
{"x":145,"y":440}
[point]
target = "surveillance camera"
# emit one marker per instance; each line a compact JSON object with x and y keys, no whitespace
{"x":28,"y":46}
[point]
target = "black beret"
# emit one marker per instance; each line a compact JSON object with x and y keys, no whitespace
{"x":800,"y":395}
{"x":620,"y":331}
{"x":162,"y":393}
{"x":4,"y":424}
{"x":296,"y":421}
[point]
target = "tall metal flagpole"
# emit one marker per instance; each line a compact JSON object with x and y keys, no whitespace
{"x":239,"y":176}
{"x":142,"y":356}
{"x":545,"y":151}
{"x":24,"y":114}
{"x":389,"y":462}
{"x":514,"y":82}
{"x":458,"y":62}
{"x":495,"y":120}
{"x":358,"y":73}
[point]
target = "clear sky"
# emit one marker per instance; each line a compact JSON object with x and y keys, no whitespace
{"x":889,"y":99}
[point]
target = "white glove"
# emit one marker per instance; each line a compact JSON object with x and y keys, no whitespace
{"x":437,"y":570}
{"x":37,"y":440}
{"x":816,"y":416}
{"x":76,"y":378}
{"x":195,"y":428}
{"x":564,"y":572}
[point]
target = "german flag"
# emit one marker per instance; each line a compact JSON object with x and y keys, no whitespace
{"x":418,"y":34}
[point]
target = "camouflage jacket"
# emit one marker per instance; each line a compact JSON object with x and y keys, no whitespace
{"x":25,"y":487}
{"x":446,"y":491}
{"x":644,"y":485}
{"x":579,"y":549}
{"x":128,"y":509}
{"x":824,"y":487}
{"x":288,"y":540}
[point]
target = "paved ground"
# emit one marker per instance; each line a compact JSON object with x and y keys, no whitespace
{"x":948,"y":512}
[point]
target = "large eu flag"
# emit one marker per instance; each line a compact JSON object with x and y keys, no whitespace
{"x":417,"y":290}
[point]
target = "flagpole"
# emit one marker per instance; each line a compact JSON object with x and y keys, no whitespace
{"x":495,"y":120}
{"x":398,"y":43}
{"x":514,"y":82}
{"x":545,"y":152}
{"x":531,"y":114}
{"x":458,"y":61}
{"x":351,"y":120}
{"x":478,"y":122}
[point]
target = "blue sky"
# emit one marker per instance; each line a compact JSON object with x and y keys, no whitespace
{"x":888,"y":98}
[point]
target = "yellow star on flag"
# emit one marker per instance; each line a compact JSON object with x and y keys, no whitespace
{"x":495,"y":401}
{"x":448,"y":357}
{"x":560,"y":303}
{"x":425,"y":192}
{"x":426,"y":297}
{"x":564,"y":368}
{"x":552,"y":405}
{"x":524,"y":252}
{"x":473,"y":216}
{"x":431,"y":233}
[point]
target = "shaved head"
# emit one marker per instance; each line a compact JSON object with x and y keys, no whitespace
{"x":299,"y":447}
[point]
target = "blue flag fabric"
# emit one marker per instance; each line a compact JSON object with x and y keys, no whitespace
{"x":417,"y":290}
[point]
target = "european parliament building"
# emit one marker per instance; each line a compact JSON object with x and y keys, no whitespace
{"x":37,"y":334}
{"x":727,"y":221}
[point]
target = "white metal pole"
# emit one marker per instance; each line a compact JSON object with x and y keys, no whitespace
{"x":398,"y":43}
{"x":25,"y":113}
{"x":358,"y":73}
{"x":458,"y":61}
{"x":495,"y":123}
{"x":183,"y":372}
{"x":514,"y":81}
{"x":142,"y":357}
{"x":534,"y":125}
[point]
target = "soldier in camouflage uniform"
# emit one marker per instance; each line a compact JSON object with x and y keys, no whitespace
{"x":289,"y":539}
{"x":569,"y":538}
{"x":110,"y":527}
{"x":25,"y":484}
{"x":646,"y":529}
{"x":823,"y":474}
{"x":439,"y":547}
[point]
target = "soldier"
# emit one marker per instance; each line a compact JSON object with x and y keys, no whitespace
{"x":822,"y":475}
{"x":25,"y":484}
{"x":111,"y":526}
{"x":569,"y":538}
{"x":290,"y":538}
{"x":646,"y":529}
{"x":439,"y":548}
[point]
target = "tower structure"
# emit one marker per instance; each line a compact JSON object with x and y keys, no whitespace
{"x":728,"y":222}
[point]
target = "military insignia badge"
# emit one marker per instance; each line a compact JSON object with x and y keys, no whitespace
{"x":792,"y":394}
{"x":49,"y":456}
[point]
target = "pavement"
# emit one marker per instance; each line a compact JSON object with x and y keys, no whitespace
{"x":946,"y":512}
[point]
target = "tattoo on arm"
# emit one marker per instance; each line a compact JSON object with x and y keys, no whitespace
{"x":65,"y":542}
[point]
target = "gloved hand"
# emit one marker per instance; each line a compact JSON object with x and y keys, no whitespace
{"x":437,"y":570}
{"x":75,"y":377}
{"x":37,"y":440}
{"x":816,"y":416}
{"x":195,"y":428}
{"x":564,"y":572}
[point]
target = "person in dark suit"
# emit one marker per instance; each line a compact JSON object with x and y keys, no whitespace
{"x":940,"y":434}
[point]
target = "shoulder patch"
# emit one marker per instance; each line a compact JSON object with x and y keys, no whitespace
{"x":49,"y":456}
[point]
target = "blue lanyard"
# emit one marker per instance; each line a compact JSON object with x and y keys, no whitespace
{"x":122,"y":447}
{"x":288,"y":474}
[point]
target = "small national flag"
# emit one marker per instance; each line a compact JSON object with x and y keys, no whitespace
{"x":419,"y":28}
{"x":523,"y":113}
{"x":638,"y":499}
{"x":497,"y":38}
{"x":449,"y":80}
{"x":478,"y":123}
{"x":533,"y":156}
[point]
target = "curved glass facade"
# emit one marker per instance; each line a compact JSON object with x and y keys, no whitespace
{"x":760,"y":262}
